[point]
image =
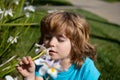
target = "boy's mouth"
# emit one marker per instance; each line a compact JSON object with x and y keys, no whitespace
{"x":51,"y":52}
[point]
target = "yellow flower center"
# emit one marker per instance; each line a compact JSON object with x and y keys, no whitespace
{"x":52,"y":69}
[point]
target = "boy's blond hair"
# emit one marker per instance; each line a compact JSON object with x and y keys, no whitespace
{"x":76,"y":29}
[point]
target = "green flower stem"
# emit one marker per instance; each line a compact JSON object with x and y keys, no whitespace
{"x":40,"y":54}
{"x":18,"y":24}
{"x":10,"y":68}
{"x":48,"y":78}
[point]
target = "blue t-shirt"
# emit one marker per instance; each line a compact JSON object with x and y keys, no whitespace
{"x":88,"y":71}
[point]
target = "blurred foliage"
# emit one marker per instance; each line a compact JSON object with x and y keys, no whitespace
{"x":14,"y":23}
{"x":104,"y":35}
{"x":51,"y":2}
{"x":112,"y":0}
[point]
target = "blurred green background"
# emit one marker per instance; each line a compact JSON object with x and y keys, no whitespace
{"x":104,"y":35}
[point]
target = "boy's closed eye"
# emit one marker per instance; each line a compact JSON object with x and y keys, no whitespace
{"x":60,"y":38}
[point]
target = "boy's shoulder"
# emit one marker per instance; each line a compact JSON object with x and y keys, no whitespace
{"x":89,"y":70}
{"x":88,"y":61}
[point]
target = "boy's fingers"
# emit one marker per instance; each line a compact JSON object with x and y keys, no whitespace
{"x":19,"y":68}
{"x":20,"y":63}
{"x":25,"y":60}
{"x":30,"y":60}
{"x":32,"y":65}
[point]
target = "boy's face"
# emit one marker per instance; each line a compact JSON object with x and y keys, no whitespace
{"x":60,"y":46}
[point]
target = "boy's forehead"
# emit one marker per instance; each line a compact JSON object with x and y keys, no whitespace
{"x":57,"y":33}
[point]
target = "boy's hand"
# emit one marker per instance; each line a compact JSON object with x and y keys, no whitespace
{"x":26,"y":67}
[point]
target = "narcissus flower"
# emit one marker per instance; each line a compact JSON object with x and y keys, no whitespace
{"x":48,"y":66}
{"x":52,"y":72}
{"x":29,"y":8}
{"x":8,"y":12}
{"x":16,"y":2}
{"x":9,"y":77}
{"x":43,"y":69}
{"x":27,"y":14}
{"x":51,"y":11}
{"x":12,"y":40}
{"x":39,"y":48}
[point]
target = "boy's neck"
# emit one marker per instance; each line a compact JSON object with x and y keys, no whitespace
{"x":65,"y":63}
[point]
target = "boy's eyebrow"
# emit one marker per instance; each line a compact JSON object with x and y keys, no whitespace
{"x":61,"y":35}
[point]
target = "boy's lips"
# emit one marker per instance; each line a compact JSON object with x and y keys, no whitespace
{"x":51,"y":52}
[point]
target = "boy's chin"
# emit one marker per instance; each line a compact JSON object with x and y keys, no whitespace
{"x":54,"y":58}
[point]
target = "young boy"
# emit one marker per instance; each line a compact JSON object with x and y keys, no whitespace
{"x":67,"y":36}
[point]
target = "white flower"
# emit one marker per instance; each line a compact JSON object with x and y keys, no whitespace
{"x":37,"y":45}
{"x":51,"y":11}
{"x":58,"y":66}
{"x":43,"y":69}
{"x":9,"y":77}
{"x":43,"y":59}
{"x":53,"y":72}
{"x":40,"y":48}
{"x":47,"y":56}
{"x":29,"y":8}
{"x":49,"y":62}
{"x":16,"y":2}
{"x":12,"y":39}
{"x":8,"y":12}
{"x":37,"y":50}
{"x":39,"y":61}
{"x":27,"y":14}
{"x":49,"y":65}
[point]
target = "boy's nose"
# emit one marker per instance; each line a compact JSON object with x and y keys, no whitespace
{"x":52,"y":42}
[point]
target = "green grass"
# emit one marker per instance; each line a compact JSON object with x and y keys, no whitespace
{"x":112,"y":0}
{"x":28,"y":36}
{"x":52,"y":2}
{"x":105,"y":36}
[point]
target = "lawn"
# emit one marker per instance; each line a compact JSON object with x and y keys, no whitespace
{"x":112,"y":0}
{"x":104,"y":35}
